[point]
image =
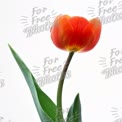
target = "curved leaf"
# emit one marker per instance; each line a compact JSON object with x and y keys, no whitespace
{"x":45,"y":106}
{"x":74,"y":114}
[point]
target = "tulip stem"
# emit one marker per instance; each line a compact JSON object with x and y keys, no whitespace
{"x":60,"y":89}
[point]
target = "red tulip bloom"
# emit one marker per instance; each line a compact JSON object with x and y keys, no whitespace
{"x":75,"y":33}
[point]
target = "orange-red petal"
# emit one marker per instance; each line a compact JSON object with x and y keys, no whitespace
{"x":78,"y":25}
{"x":61,"y":31}
{"x":91,"y":34}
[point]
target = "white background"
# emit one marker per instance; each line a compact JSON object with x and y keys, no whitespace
{"x":98,"y":95}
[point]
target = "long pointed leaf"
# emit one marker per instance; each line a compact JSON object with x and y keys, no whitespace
{"x":74,"y":114}
{"x":45,"y":106}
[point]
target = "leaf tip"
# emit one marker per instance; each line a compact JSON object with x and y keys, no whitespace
{"x":78,"y":95}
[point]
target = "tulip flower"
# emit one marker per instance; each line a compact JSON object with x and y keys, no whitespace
{"x":75,"y":34}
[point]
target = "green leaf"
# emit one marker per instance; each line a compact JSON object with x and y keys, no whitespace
{"x":74,"y":114}
{"x":45,"y":106}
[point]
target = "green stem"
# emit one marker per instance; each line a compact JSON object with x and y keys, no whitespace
{"x":60,"y":88}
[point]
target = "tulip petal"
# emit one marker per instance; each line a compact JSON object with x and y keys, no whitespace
{"x":97,"y":25}
{"x":78,"y":25}
{"x":91,"y":34}
{"x":61,"y":31}
{"x":55,"y":34}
